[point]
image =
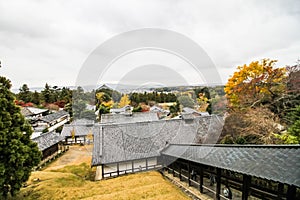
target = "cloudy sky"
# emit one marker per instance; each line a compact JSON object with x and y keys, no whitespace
{"x":48,"y":41}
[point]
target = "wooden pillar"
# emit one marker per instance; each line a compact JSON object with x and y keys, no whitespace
{"x":218,"y":186}
{"x":132,"y":166}
{"x":201,"y":179}
{"x":291,"y":192}
{"x":246,"y":186}
{"x":180,"y":171}
{"x":173,"y":170}
{"x":118,"y":169}
{"x":280,"y":190}
{"x":102,"y":168}
{"x":189,"y":171}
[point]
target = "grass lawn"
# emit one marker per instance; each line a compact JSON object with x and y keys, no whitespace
{"x":73,"y":182}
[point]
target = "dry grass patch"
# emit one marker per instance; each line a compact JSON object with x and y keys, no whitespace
{"x":73,"y":182}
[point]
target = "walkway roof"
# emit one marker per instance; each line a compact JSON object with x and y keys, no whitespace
{"x":273,"y":162}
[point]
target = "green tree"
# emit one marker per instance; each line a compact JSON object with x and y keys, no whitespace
{"x":292,"y":136}
{"x":46,"y":94}
{"x":24,"y":94}
{"x":88,"y":114}
{"x":186,"y":101}
{"x":78,"y":106}
{"x":36,"y":98}
{"x":103,"y":103}
{"x":18,"y":154}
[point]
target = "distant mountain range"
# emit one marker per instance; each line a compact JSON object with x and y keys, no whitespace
{"x":120,"y":87}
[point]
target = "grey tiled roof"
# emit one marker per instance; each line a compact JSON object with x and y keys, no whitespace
{"x":129,"y":141}
{"x":129,"y":118}
{"x":80,"y":130}
{"x":187,"y":110}
{"x":82,"y":121}
{"x":54,"y":116}
{"x":28,"y":111}
{"x":46,"y":140}
{"x":277,"y":162}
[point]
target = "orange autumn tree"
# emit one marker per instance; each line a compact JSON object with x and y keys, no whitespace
{"x":255,"y":84}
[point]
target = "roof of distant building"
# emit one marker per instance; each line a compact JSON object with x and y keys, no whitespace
{"x":90,"y":107}
{"x":187,"y":110}
{"x":82,"y":121}
{"x":156,"y":108}
{"x":79,"y":130}
{"x":47,"y":140}
{"x":28,"y":111}
{"x":273,"y":162}
{"x":129,"y":118}
{"x":55,"y":116}
{"x":124,"y":109}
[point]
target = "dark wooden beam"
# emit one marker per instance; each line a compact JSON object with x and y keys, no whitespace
{"x":132,"y":166}
{"x":218,"y":186}
{"x":291,"y":192}
{"x":201,"y":179}
{"x":246,"y":186}
{"x":146,"y":164}
{"x":180,"y":172}
{"x":118,"y":169}
{"x":280,"y":190}
{"x":102,"y":170}
{"x":173,"y":170}
{"x":189,"y":173}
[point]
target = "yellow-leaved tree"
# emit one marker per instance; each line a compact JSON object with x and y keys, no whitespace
{"x":124,"y":101}
{"x":103,"y":103}
{"x":255,"y":84}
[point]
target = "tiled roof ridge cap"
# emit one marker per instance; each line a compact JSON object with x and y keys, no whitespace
{"x":151,"y":121}
{"x":242,"y":146}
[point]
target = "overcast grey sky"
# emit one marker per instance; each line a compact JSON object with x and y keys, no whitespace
{"x":48,"y":41}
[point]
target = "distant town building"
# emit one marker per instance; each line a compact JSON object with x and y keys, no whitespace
{"x":54,"y":120}
{"x":129,"y":118}
{"x":32,"y":113}
{"x":126,"y":109}
{"x":78,"y":132}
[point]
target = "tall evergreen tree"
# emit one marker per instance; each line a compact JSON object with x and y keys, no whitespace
{"x":18,"y":154}
{"x":24,"y":94}
{"x":46,"y":94}
{"x":36,"y":98}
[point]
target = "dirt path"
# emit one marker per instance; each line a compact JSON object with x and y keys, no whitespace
{"x":74,"y":156}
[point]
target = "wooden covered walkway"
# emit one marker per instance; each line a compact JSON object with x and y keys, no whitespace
{"x":248,"y":172}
